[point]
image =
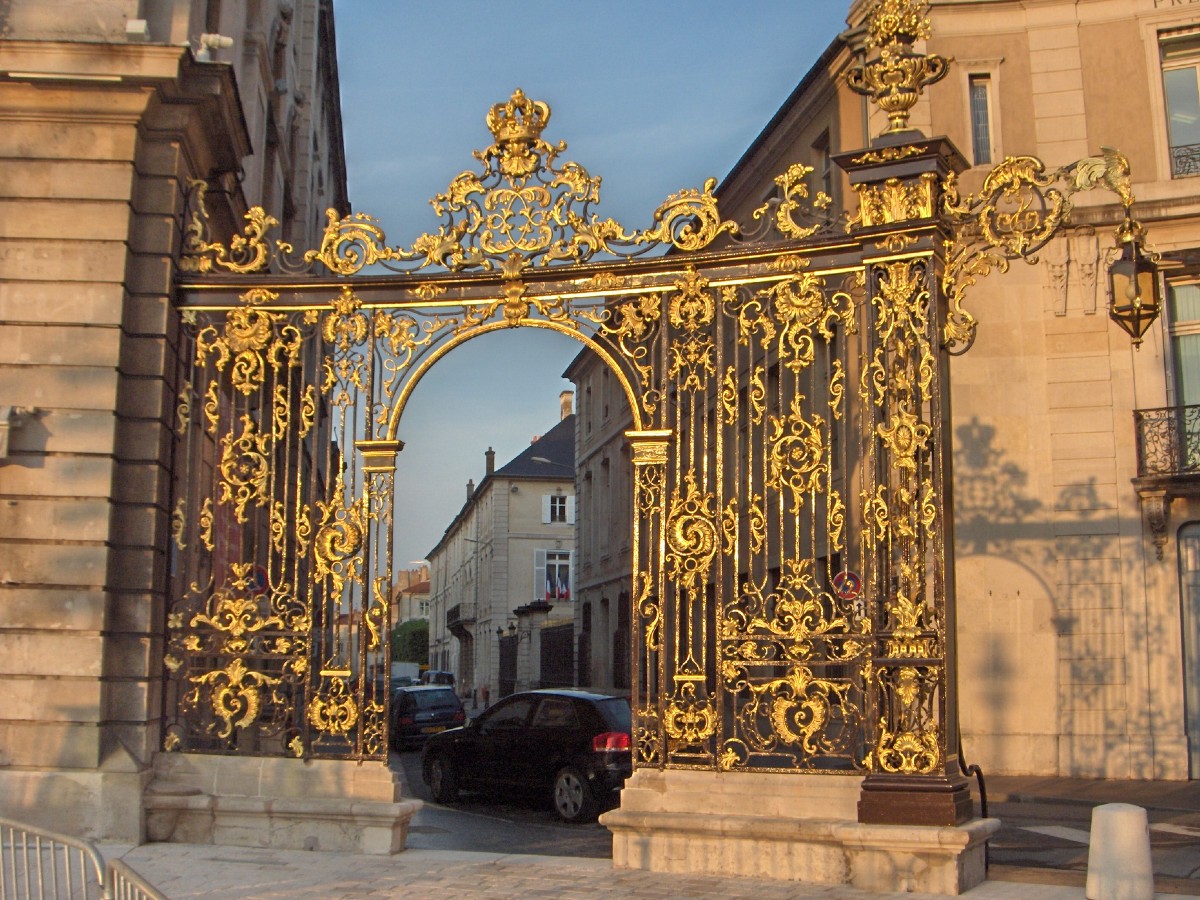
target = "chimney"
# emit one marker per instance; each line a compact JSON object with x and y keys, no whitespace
{"x":566,"y":402}
{"x":490,"y":456}
{"x":470,"y":489}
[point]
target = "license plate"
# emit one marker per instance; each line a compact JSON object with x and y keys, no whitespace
{"x":431,"y":729}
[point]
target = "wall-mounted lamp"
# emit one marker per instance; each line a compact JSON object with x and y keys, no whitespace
{"x":1135,"y":299}
{"x":210,"y":42}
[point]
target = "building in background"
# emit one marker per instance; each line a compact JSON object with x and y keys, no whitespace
{"x":604,"y":561}
{"x":500,"y":615}
{"x":1077,"y":457}
{"x":108,"y":112}
{"x":410,"y":595}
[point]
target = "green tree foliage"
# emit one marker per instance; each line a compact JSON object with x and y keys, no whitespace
{"x":410,"y":642}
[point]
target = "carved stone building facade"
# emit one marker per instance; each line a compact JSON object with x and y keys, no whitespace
{"x":106,"y":120}
{"x":1076,"y":481}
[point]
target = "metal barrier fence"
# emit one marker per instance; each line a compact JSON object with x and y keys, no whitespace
{"x":47,"y":866}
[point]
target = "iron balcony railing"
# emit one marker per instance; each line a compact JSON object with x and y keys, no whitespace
{"x":460,"y":614}
{"x":1185,"y":160}
{"x":42,"y":865}
{"x":1168,"y":441}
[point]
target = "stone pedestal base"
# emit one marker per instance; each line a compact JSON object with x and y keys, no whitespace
{"x":287,"y":804}
{"x":787,"y":827}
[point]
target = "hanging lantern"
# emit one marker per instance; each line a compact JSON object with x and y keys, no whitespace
{"x":1134,"y":301}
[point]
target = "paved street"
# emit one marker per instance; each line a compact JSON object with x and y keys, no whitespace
{"x":1043,"y":835}
{"x":494,"y":826}
{"x":494,"y":849}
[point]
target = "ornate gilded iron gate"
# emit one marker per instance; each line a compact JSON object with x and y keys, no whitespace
{"x":741,"y":369}
{"x":788,"y":390}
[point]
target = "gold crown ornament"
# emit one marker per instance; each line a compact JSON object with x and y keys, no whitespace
{"x":519,"y":121}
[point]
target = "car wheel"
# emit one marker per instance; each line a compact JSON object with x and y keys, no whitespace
{"x":573,"y":800}
{"x":442,"y":782}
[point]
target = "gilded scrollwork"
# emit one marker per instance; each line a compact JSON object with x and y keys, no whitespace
{"x":692,"y":536}
{"x":1018,"y":209}
{"x":339,"y":538}
{"x":334,"y":710}
{"x":247,"y":252}
{"x":909,"y":742}
{"x":894,"y":201}
{"x":234,"y":694}
{"x":255,"y":340}
{"x":235,"y":612}
{"x":245,"y":468}
{"x":793,"y":189}
{"x":526,"y":208}
{"x":689,"y":718}
{"x":799,"y":452}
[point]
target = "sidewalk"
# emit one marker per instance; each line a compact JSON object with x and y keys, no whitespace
{"x":183,"y":871}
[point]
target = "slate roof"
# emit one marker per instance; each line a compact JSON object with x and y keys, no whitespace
{"x":551,"y":456}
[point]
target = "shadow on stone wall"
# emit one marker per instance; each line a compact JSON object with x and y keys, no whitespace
{"x":1048,"y":624}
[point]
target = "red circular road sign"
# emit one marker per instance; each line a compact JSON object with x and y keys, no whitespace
{"x":847,"y":584}
{"x":259,"y":583}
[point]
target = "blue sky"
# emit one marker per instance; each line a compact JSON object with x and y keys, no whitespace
{"x":652,"y":97}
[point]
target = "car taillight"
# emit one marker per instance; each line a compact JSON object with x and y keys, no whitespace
{"x":610,"y":740}
{"x":459,"y":716}
{"x":405,"y":720}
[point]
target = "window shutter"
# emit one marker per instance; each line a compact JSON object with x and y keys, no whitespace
{"x":539,"y":572}
{"x":571,"y":510}
{"x":545,"y":510}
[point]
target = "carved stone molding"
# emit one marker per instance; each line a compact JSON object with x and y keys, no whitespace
{"x":1056,"y":256}
{"x":1156,"y":507}
{"x":1085,"y":255}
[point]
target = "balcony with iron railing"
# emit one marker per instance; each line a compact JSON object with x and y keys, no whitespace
{"x":1168,"y":463}
{"x":458,"y":617}
{"x":1168,"y":446}
{"x":1185,"y":160}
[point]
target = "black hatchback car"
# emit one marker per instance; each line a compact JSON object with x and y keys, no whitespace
{"x":422,"y":710}
{"x":569,"y":746}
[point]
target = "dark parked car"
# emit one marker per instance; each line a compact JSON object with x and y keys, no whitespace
{"x":432,"y":676}
{"x":569,"y":746}
{"x":422,"y":710}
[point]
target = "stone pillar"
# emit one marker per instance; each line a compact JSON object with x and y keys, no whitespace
{"x":92,"y":211}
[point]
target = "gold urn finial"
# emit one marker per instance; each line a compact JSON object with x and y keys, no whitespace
{"x":520,"y":120}
{"x":895,"y":78}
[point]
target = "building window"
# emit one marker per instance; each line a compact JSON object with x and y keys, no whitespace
{"x":558,"y":509}
{"x":823,"y":165}
{"x":424,"y":605}
{"x":1183,"y":308}
{"x":1180,"y":53}
{"x":980,"y":96}
{"x":552,"y":574}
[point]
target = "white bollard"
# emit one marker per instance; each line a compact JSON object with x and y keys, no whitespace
{"x":1119,"y":866}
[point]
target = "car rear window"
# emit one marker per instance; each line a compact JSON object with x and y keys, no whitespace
{"x":616,"y":714}
{"x":434,"y":699}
